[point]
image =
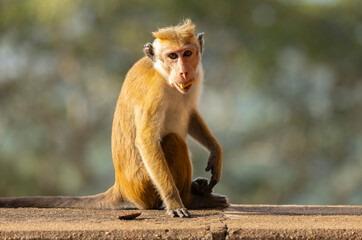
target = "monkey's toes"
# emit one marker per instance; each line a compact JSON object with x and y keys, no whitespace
{"x":220,"y":200}
{"x":199,"y":186}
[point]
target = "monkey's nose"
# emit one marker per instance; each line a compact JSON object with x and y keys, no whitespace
{"x":184,"y":75}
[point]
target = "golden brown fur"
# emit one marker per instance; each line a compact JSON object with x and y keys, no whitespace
{"x":181,"y":33}
{"x":156,"y":109}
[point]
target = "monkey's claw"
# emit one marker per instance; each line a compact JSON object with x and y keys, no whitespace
{"x":182,"y":212}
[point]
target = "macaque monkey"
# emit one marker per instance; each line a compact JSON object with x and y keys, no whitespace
{"x":156,"y":109}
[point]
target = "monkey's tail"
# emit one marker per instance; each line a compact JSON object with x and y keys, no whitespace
{"x":104,"y":200}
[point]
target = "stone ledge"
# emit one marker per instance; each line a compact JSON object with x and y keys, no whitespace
{"x":236,"y":222}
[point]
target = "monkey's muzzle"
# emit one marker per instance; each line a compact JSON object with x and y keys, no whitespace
{"x":186,"y":85}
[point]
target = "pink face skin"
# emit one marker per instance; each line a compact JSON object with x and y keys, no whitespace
{"x":183,"y":65}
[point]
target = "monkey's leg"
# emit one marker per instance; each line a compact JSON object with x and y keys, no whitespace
{"x":137,"y":186}
{"x":193,"y":194}
{"x":140,"y":189}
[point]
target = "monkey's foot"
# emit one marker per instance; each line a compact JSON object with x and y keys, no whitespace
{"x":211,"y":200}
{"x":199,"y":186}
{"x":218,"y":201}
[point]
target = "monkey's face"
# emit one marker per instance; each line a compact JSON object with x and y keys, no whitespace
{"x":181,"y":64}
{"x":176,"y":58}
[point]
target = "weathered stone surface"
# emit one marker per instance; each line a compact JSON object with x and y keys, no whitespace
{"x":236,"y":222}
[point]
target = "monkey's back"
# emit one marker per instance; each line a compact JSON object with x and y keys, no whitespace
{"x":138,"y":91}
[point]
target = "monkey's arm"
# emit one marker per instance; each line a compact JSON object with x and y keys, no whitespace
{"x":200,"y":131}
{"x":149,"y":146}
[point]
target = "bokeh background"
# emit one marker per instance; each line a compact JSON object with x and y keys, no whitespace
{"x":282,"y":93}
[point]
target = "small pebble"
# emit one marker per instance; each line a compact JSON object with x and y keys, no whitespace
{"x":129,"y":216}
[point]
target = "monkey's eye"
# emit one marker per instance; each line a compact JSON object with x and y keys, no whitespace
{"x":172,"y":55}
{"x":187,"y":53}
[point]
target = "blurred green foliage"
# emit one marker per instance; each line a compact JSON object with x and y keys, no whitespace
{"x":282,"y":93}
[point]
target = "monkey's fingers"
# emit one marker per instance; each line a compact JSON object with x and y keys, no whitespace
{"x":209,"y":166}
{"x":214,"y":180}
{"x":212,"y":163}
{"x":211,"y":185}
{"x":182,"y":212}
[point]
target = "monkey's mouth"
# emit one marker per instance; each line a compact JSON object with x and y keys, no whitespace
{"x":186,"y":86}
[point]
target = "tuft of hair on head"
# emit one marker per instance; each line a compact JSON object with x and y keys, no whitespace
{"x":182,"y":32}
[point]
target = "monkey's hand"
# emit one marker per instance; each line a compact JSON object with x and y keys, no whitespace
{"x":181,"y":212}
{"x":214,"y":164}
{"x":176,"y":208}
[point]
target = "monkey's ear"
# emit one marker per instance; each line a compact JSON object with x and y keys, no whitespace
{"x":200,"y":38}
{"x":148,"y":50}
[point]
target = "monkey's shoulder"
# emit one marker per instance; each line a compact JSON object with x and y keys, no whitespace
{"x":141,"y":70}
{"x":143,"y":83}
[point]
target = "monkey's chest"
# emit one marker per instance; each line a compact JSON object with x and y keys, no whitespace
{"x":175,"y":120}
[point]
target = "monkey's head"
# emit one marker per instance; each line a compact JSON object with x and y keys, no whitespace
{"x":176,"y":53}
